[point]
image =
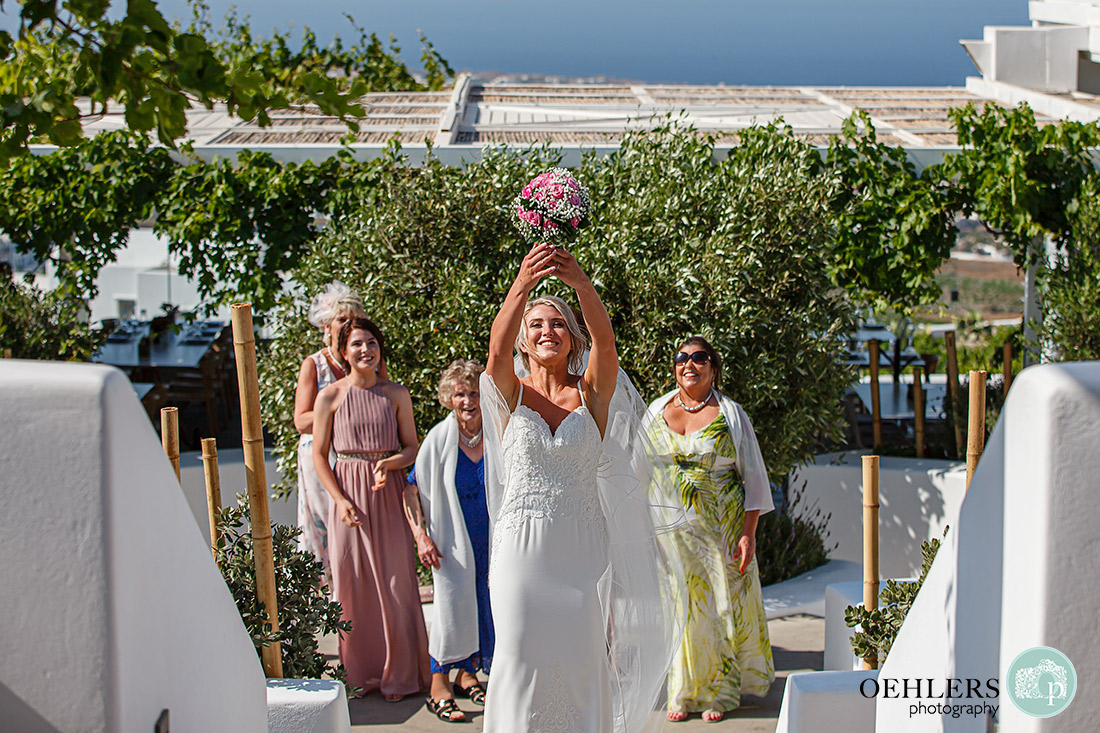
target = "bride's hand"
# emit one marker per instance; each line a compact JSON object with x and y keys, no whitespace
{"x":535,"y":266}
{"x":567,"y":269}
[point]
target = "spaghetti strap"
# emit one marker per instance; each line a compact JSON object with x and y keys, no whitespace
{"x":580,"y":388}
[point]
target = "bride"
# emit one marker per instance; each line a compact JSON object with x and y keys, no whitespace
{"x":584,"y":635}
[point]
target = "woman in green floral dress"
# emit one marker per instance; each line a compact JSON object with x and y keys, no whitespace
{"x":708,"y":440}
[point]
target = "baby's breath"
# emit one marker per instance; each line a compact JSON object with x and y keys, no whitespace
{"x":552,"y":206}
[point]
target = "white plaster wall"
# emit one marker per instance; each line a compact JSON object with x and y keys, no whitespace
{"x":55,"y":669}
{"x":1019,"y":567}
{"x":1051,"y":590}
{"x":1017,"y":55}
{"x":953,"y":627}
{"x":1062,"y":45}
{"x":838,"y":635}
{"x":916,"y":499}
{"x":113,"y":608}
{"x":826,"y":702}
{"x":114,"y":282}
{"x":1035,"y":57}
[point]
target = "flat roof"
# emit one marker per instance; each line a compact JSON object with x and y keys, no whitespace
{"x":460,"y":122}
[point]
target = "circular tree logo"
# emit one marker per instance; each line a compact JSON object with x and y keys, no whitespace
{"x":1041,"y":682}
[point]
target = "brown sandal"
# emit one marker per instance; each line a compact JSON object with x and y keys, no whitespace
{"x":446,"y":710}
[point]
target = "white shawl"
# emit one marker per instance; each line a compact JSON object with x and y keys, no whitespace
{"x":750,"y":464}
{"x":453,"y":634}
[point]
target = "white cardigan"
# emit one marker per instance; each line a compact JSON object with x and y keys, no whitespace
{"x":453,"y":634}
{"x":750,"y":464}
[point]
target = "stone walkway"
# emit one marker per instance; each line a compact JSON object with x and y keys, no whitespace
{"x":797,"y":643}
{"x":796,"y":623}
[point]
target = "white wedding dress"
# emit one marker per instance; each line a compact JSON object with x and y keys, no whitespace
{"x":549,"y":553}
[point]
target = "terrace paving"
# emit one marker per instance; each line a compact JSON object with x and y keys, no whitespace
{"x":796,"y":623}
{"x":797,"y":645}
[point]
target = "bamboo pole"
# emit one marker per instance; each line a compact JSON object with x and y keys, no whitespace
{"x":953,"y":391}
{"x":170,"y":436}
{"x":918,"y":411}
{"x":1008,"y":366}
{"x":870,"y":543}
{"x":975,"y":442}
{"x":244,"y":347}
{"x":213,"y":490}
{"x":876,"y":407}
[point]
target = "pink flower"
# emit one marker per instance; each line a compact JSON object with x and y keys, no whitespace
{"x":575,"y":221}
{"x":553,"y":205}
{"x":573,"y":184}
{"x":535,"y":219}
{"x":527,"y":192}
{"x":549,"y":225}
{"x":556,"y":190}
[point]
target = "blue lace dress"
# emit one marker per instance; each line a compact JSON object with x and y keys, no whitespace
{"x":470,"y":487}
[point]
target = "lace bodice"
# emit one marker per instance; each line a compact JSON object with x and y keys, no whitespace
{"x":550,"y":475}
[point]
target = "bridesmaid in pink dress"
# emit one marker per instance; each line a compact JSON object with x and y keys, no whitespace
{"x":369,"y":423}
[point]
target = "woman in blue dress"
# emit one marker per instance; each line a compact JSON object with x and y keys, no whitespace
{"x":450,"y":473}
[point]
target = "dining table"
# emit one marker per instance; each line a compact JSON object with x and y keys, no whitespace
{"x":890,"y":355}
{"x":177,"y":361}
{"x":135,"y":345}
{"x":896,"y":399}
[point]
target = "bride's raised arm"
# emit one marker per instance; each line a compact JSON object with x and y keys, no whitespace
{"x":536,"y":265}
{"x":603,"y":360}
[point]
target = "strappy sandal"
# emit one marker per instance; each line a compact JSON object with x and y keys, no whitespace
{"x":446,"y":710}
{"x":475,"y":692}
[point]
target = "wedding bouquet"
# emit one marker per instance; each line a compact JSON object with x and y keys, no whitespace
{"x":553,"y":206}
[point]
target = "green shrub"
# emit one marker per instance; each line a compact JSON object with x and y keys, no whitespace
{"x":44,"y":325}
{"x":1070,"y":286}
{"x":879,"y":627}
{"x":977,"y":348}
{"x":305,"y":610}
{"x":790,"y":542}
{"x":680,"y":244}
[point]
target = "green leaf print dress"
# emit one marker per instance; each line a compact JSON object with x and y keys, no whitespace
{"x":725,"y":651}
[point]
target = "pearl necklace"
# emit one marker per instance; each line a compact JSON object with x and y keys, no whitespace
{"x":698,"y":407}
{"x":471,"y":442}
{"x":334,"y":361}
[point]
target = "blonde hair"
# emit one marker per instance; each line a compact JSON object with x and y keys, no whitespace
{"x":579,"y":335}
{"x":335,"y":299}
{"x":459,"y":371}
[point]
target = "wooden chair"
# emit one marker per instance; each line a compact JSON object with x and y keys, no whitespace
{"x":197,"y":385}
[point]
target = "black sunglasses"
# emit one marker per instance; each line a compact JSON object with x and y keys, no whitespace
{"x":699,"y":357}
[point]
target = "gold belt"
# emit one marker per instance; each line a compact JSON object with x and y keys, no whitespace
{"x":370,"y":455}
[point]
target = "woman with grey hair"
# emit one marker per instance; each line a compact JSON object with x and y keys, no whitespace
{"x":583,"y":635}
{"x":329,"y":311}
{"x":450,"y":472}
